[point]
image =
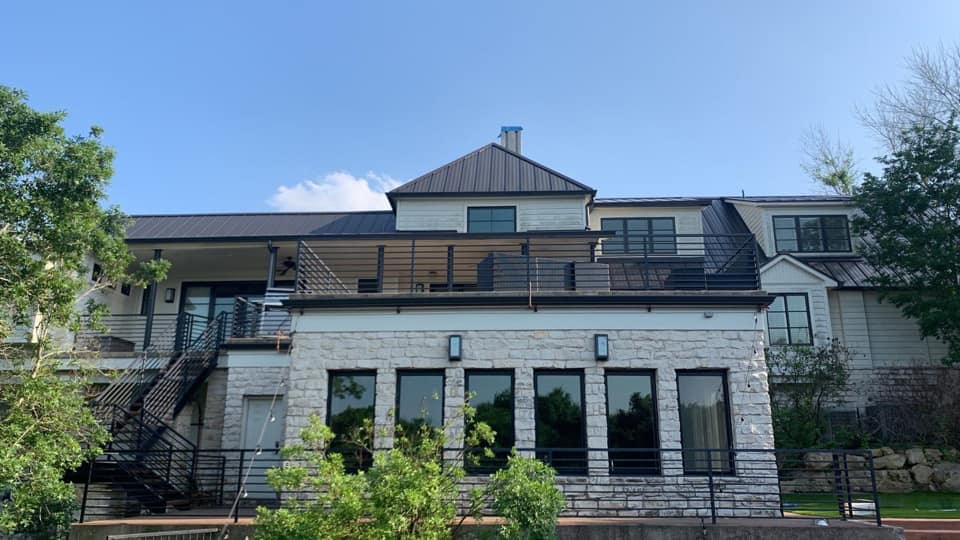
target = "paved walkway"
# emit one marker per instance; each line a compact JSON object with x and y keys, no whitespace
{"x":927,"y":529}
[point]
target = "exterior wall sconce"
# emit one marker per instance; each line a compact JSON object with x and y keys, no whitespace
{"x":601,"y":346}
{"x":455,"y":347}
{"x":169,"y":294}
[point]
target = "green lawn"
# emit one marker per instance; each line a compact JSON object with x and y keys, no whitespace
{"x":920,"y":504}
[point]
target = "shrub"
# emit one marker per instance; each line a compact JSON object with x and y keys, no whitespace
{"x":524,"y":494}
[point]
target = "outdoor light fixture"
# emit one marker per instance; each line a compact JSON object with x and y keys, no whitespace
{"x":601,"y":346}
{"x":455,"y":347}
{"x":169,"y":294}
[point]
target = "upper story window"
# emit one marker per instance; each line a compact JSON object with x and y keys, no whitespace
{"x":492,"y":219}
{"x":640,"y":236}
{"x":788,"y":320}
{"x":814,"y":234}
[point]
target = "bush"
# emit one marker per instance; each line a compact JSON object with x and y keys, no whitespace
{"x":524,"y":494}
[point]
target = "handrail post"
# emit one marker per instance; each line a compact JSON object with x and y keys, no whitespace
{"x":236,"y":507}
{"x":846,"y":481}
{"x":713,"y":502}
{"x":838,"y":487}
{"x":525,"y":250}
{"x":873,"y":488}
{"x":151,"y":304}
{"x":86,"y":488}
{"x":449,"y":268}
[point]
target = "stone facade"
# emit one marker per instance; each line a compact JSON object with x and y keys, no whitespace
{"x":734,"y":351}
{"x":247,"y":381}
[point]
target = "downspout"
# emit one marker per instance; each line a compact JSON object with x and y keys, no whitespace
{"x":151,"y":304}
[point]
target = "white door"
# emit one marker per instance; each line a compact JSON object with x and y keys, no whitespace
{"x":259,"y":418}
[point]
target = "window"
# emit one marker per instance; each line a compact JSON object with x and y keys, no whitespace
{"x":491,"y":219}
{"x":640,"y":236}
{"x":350,"y":403}
{"x":811,"y":233}
{"x":419,"y":399}
{"x":704,"y":422}
{"x":632,"y":422}
{"x":493,"y":403}
{"x":560,"y":420}
{"x":788,"y":320}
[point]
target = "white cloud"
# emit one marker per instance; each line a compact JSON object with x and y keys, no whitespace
{"x":337,"y":191}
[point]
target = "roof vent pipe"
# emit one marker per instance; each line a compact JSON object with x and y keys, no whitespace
{"x":510,"y":138}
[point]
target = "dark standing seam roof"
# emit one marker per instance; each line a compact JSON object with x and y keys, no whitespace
{"x":489,"y":170}
{"x":848,"y":272}
{"x":792,"y":198}
{"x":652,"y":201}
{"x":193,"y":226}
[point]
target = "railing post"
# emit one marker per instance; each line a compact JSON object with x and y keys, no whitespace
{"x":873,"y":488}
{"x":272,"y":263}
{"x":713,"y":501}
{"x":449,"y":268}
{"x":413,"y":261}
{"x":846,"y":481}
{"x":838,"y":487}
{"x":151,"y":304}
{"x":380,"y":249}
{"x":86,"y":488}
{"x":236,"y":507}
{"x":525,"y":250}
{"x":593,"y":252}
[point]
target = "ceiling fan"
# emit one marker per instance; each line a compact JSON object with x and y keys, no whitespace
{"x":286,"y":265}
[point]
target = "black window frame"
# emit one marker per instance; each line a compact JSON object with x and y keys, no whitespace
{"x":578,"y":456}
{"x":499,"y":207}
{"x":824,"y":244}
{"x":647,"y":239}
{"x":443,"y":390}
{"x":786,"y":315}
{"x":337,"y":372}
{"x":634,"y":471}
{"x":728,"y":417}
{"x":499,"y":460}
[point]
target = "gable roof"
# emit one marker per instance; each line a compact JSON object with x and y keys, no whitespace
{"x":257,"y":225}
{"x":848,"y":272}
{"x":792,"y":261}
{"x":491,"y":170}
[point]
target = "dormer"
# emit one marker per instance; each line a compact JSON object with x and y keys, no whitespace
{"x":493,"y":189}
{"x":804,"y":225}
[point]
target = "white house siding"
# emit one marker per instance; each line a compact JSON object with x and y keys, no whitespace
{"x":687,"y":220}
{"x":753,"y":216}
{"x":786,"y":277}
{"x":894,"y":340}
{"x":533,"y":213}
{"x":525,"y":341}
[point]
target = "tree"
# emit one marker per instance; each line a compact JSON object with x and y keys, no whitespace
{"x":929,"y":98}
{"x":910,"y":224}
{"x":52,"y":225}
{"x":829,"y":163}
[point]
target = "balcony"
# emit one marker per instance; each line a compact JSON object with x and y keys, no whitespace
{"x":434,"y":266}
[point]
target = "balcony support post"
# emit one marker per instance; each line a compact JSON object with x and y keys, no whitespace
{"x":413,"y":262}
{"x":380,"y":268}
{"x":151,"y":304}
{"x":449,"y":268}
{"x":271,"y":264}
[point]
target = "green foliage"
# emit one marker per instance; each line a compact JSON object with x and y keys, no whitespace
{"x":830,"y":164}
{"x":803,"y":381}
{"x":524,"y":494}
{"x":911,"y":227}
{"x":52,"y":225}
{"x":410,"y":492}
{"x":45,"y":429}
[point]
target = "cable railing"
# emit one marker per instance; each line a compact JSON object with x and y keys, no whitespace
{"x":710,"y":484}
{"x":527,"y":265}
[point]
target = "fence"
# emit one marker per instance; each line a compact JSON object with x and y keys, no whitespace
{"x":711,"y":484}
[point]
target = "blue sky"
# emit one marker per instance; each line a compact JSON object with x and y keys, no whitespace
{"x":237,"y":106}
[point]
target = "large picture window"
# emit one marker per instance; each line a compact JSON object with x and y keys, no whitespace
{"x":492,"y":400}
{"x":491,"y":219}
{"x":350,"y":405}
{"x":632,"y":422}
{"x":419,"y":399}
{"x":640,"y":236}
{"x":812,"y":234}
{"x":560,"y":420}
{"x":704,"y":422}
{"x":788,"y":320}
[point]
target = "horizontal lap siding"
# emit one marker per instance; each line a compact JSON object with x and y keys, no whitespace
{"x":895,"y":340}
{"x":533,"y":213}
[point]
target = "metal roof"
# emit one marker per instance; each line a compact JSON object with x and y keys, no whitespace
{"x":792,"y":199}
{"x":258,"y":225}
{"x":848,"y":272}
{"x":490,"y":170}
{"x":653,"y":201}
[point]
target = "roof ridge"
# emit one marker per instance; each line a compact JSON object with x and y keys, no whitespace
{"x":212,"y":214}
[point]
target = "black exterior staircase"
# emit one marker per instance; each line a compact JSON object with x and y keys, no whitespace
{"x":147,"y":458}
